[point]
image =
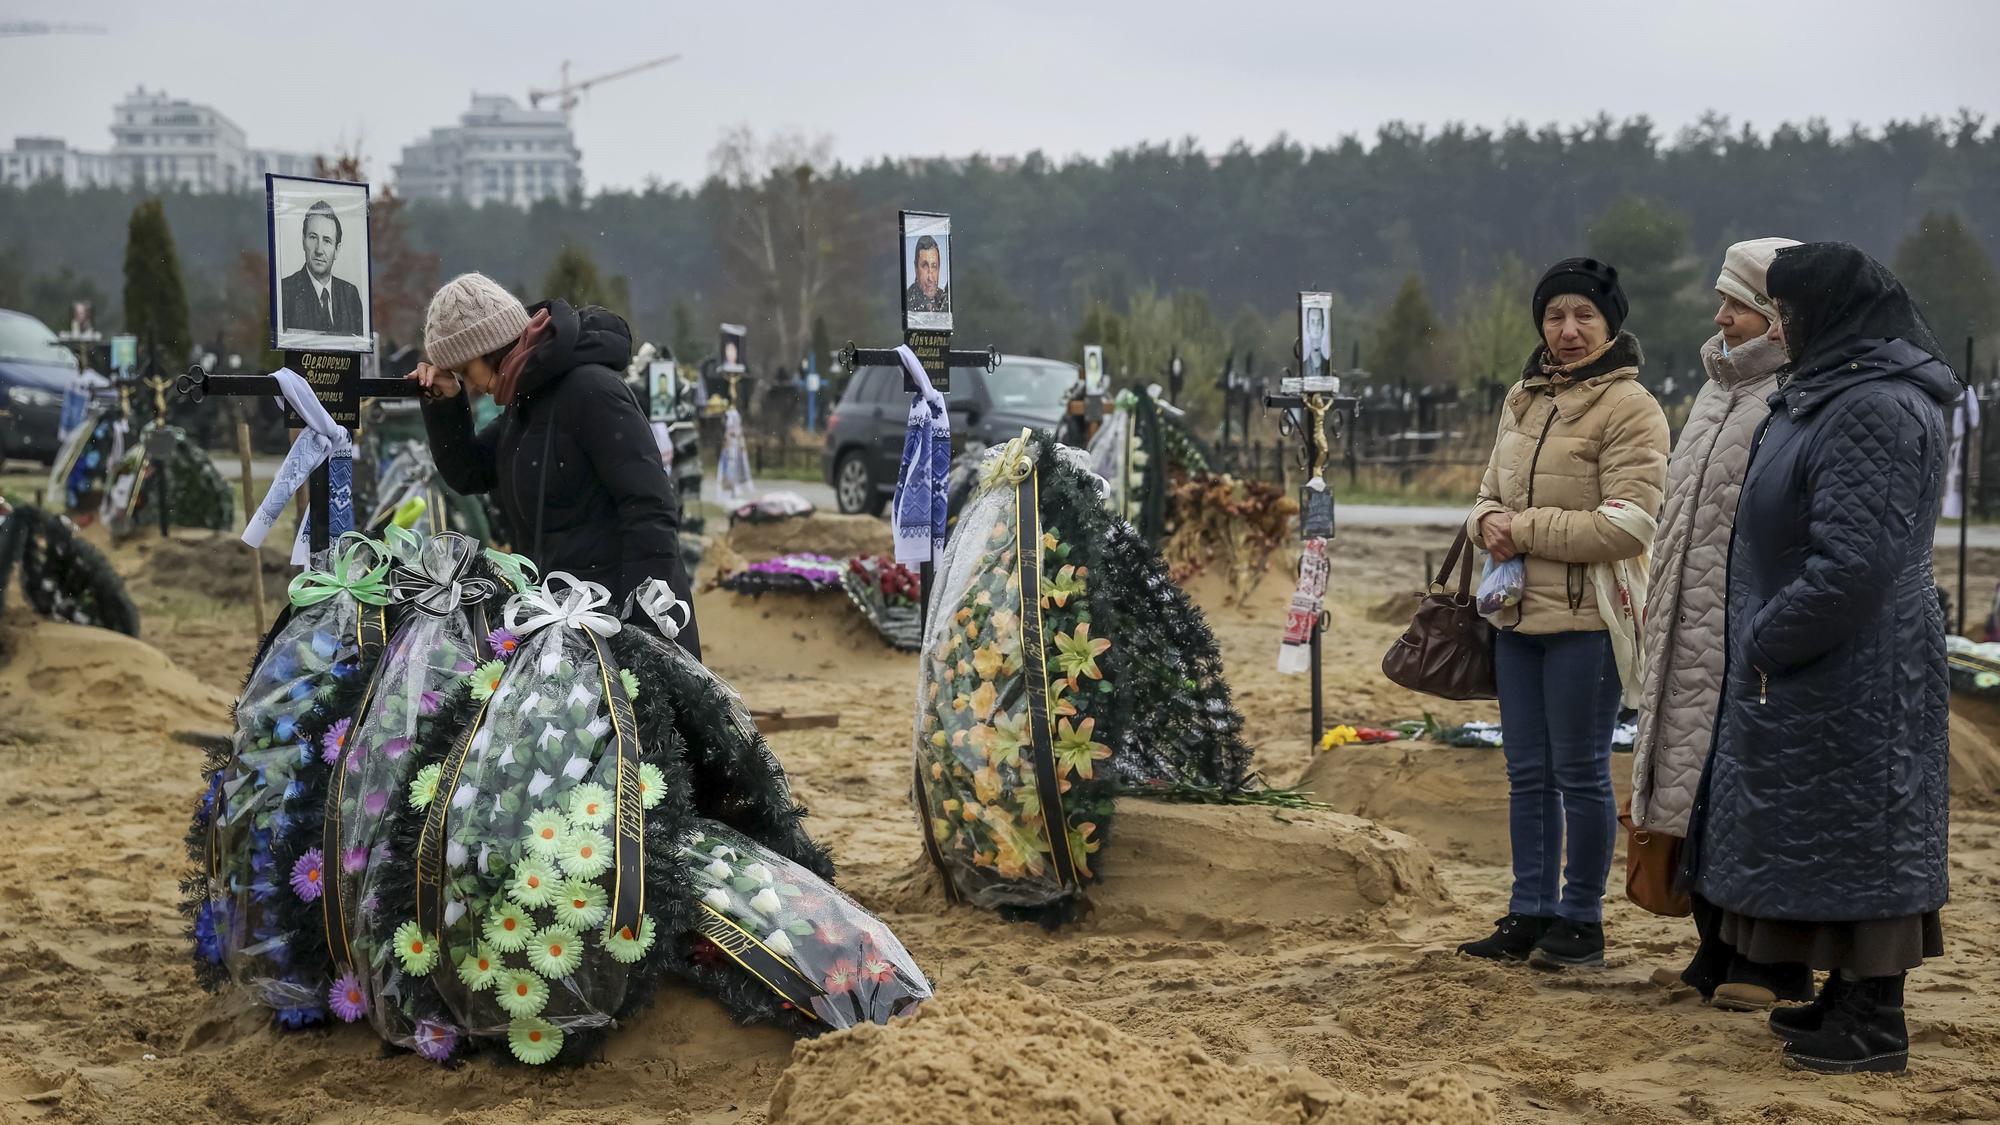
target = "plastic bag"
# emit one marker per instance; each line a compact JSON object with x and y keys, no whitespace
{"x":809,"y":944}
{"x":254,"y":831}
{"x":1503,"y":585}
{"x":451,"y":629}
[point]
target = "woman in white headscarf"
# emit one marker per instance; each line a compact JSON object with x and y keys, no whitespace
{"x":1688,"y":592}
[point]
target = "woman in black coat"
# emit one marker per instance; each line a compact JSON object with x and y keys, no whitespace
{"x":1820,"y":824}
{"x":571,"y":459}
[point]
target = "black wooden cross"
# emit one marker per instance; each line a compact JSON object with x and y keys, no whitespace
{"x":336,"y":380}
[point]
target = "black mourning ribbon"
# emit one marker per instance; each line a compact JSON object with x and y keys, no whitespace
{"x":1035,"y":668}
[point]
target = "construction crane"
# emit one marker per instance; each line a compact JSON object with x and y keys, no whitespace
{"x":568,"y":91}
{"x":15,"y":28}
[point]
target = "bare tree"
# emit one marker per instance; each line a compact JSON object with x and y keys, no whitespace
{"x":789,"y":234}
{"x":403,"y":277}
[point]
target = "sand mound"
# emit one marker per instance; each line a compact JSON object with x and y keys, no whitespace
{"x":1975,"y":756}
{"x":1453,"y":800}
{"x":59,"y":677}
{"x":790,"y":636}
{"x":1023,"y":1056}
{"x":824,"y":533}
{"x":1216,"y":872}
{"x":214,"y":564}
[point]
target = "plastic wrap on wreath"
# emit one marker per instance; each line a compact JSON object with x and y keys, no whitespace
{"x":530,"y":866}
{"x":450,"y":630}
{"x":810,"y":944}
{"x":86,"y":459}
{"x":801,"y":572}
{"x":1032,"y":712}
{"x":886,"y":592}
{"x":268,"y":791}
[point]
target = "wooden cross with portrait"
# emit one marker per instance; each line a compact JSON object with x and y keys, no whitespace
{"x":320,"y":319}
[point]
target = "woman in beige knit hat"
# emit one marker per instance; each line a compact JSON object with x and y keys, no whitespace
{"x":571,"y":460}
{"x":1689,"y":589}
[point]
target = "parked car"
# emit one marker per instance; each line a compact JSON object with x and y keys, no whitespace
{"x":864,"y":434}
{"x":35,"y":370}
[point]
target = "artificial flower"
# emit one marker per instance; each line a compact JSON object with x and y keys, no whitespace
{"x":589,"y":805}
{"x":503,"y":643}
{"x":576,"y":767}
{"x":549,"y":736}
{"x":877,"y":968}
{"x":718,"y":870}
{"x":586,"y":853}
{"x":353,"y":859}
{"x":716,"y":897}
{"x":478,"y":968}
{"x":309,"y":875}
{"x":986,"y":784}
{"x":486,"y":679}
{"x":1338,"y":737}
{"x":539,"y":784}
{"x":779,"y":943}
{"x":284,"y":729}
{"x":1066,"y":584}
{"x":334,"y":741}
{"x":534,"y":883}
{"x":758,"y":872}
{"x":424,"y":787}
{"x":534,"y":1041}
{"x":546,"y":829}
{"x":508,"y":928}
{"x":841,"y":978}
{"x":416,"y":949}
{"x":987,"y":661}
{"x":626,"y":947}
{"x":1075,"y":750}
{"x":630,"y":681}
{"x":580,"y":904}
{"x":453,"y":911}
{"x":455,"y":854}
{"x":1077,"y":653}
{"x":464,"y":795}
{"x":429,"y":702}
{"x":346,"y":999}
{"x":652,"y":785}
{"x":555,"y":951}
{"x":766,"y":901}
{"x":435,"y":1041}
{"x":520,"y":992}
{"x":395,"y":748}
{"x":549,"y":662}
{"x":376,"y":803}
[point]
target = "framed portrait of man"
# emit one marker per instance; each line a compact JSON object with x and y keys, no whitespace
{"x":730,"y":350}
{"x":318,"y":231}
{"x":1093,"y":368}
{"x":926,"y":270}
{"x":1315,"y":335}
{"x":663,"y":389}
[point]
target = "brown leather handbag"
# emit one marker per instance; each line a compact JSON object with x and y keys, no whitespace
{"x":1448,"y":649}
{"x":1652,"y":863}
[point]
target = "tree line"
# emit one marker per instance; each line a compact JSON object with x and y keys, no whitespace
{"x":1430,"y":238}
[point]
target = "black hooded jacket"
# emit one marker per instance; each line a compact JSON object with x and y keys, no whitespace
{"x":1825,"y":799}
{"x":572,"y":463}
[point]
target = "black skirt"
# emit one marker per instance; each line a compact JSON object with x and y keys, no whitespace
{"x":1880,"y":947}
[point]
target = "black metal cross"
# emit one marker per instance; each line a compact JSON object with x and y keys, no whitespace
{"x":337,"y":381}
{"x":1304,"y":417}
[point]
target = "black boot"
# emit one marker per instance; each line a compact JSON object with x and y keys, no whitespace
{"x":1864,"y":1030}
{"x":1570,"y":945}
{"x":1790,"y":1023}
{"x":1512,"y":938}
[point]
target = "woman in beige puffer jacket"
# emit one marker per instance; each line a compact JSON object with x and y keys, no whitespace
{"x":1685,"y":628}
{"x":1572,"y":487}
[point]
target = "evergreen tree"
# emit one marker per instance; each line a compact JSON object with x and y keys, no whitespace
{"x":1409,"y":345}
{"x":687,"y":340}
{"x":1952,"y":279}
{"x":156,"y":306}
{"x":574,"y":278}
{"x":1649,"y":246}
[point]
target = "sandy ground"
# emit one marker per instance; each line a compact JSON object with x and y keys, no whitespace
{"x":1241,"y":965}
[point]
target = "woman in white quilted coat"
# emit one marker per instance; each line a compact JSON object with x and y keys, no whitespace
{"x":1689,"y":587}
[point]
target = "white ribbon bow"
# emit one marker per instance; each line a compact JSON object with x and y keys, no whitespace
{"x":323,"y":438}
{"x":578,"y":609}
{"x":658,"y":601}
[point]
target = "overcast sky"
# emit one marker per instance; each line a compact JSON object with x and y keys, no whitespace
{"x":952,"y":77}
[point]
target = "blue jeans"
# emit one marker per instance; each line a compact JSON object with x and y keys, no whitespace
{"x":1559,"y":698}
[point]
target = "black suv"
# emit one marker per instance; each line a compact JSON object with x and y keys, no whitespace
{"x":864,"y":436}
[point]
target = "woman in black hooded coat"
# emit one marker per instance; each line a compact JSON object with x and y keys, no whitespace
{"x":1819,"y":830}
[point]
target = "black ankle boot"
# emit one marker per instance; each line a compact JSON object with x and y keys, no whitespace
{"x":1570,"y":945}
{"x":1512,"y":938}
{"x":1864,"y":1030}
{"x":1790,"y":1023}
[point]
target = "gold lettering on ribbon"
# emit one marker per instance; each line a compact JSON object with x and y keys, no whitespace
{"x":1035,"y":666}
{"x":760,"y":961}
